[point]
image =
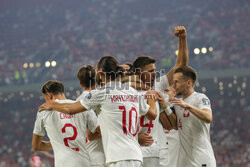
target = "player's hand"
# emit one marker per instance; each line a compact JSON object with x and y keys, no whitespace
{"x":162,"y":101}
{"x":145,"y":139}
{"x":179,"y":102}
{"x":180,"y":31}
{"x":152,"y":94}
{"x":46,"y":106}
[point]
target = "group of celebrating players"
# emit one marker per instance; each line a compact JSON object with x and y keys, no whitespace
{"x":126,"y":117}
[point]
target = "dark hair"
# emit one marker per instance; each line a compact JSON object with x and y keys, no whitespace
{"x":142,"y":61}
{"x":130,"y":65}
{"x":110,"y":67}
{"x":86,"y":76}
{"x":188,"y":72}
{"x":53,"y":86}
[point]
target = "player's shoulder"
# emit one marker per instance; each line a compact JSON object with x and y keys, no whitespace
{"x":43,"y":114}
{"x":84,"y":93}
{"x":199,"y":95}
{"x":96,"y":94}
{"x":202,"y":98}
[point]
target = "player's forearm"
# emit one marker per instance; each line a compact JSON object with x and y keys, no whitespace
{"x":165,"y":121}
{"x":68,"y":108}
{"x":152,"y":113}
{"x":203,"y":114}
{"x":43,"y":146}
{"x":182,"y":58}
{"x":173,"y":120}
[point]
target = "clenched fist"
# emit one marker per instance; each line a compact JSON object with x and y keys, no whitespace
{"x":180,"y":31}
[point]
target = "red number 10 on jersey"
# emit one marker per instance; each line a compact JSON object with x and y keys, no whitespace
{"x":124,"y":120}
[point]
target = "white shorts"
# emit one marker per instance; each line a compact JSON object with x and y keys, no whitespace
{"x":151,"y":162}
{"x":125,"y":163}
{"x":164,"y":157}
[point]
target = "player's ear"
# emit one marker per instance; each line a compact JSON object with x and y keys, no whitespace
{"x":50,"y":96}
{"x":190,"y":83}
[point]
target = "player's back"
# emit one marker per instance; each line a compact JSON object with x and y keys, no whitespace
{"x":119,"y":120}
{"x":67,"y":135}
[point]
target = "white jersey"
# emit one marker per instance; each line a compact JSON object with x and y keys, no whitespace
{"x":118,"y":119}
{"x":154,"y":129}
{"x":66,"y":134}
{"x":194,"y":134}
{"x":173,"y":147}
{"x":95,"y":147}
{"x":161,"y":83}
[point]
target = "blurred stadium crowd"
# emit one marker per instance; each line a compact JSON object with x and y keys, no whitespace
{"x":79,"y":32}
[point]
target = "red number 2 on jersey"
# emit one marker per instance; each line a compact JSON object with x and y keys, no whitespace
{"x":124,"y":121}
{"x":69,"y":138}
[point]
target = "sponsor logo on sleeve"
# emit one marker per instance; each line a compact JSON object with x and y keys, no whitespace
{"x":88,"y":96}
{"x":205,"y":101}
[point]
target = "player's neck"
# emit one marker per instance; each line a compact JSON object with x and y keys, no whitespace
{"x":90,"y":88}
{"x":60,"y":97}
{"x":188,"y":93}
{"x":107,"y":81}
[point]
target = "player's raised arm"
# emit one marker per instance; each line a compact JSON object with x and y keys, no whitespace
{"x":182,"y":58}
{"x":67,"y":108}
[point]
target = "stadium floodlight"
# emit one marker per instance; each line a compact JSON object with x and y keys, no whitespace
{"x":47,"y":64}
{"x":197,"y":84}
{"x":25,"y":65}
{"x":38,"y":64}
{"x":210,"y":49}
{"x":176,"y":52}
{"x":31,"y":65}
{"x":203,"y":89}
{"x":53,"y":63}
{"x":244,"y":85}
{"x":196,"y":51}
{"x":204,"y":50}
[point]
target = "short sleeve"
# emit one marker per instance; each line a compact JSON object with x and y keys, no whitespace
{"x":39,"y":128}
{"x":161,"y":83}
{"x":93,"y":99}
{"x":143,"y":106}
{"x":92,"y":122}
{"x":204,"y":102}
